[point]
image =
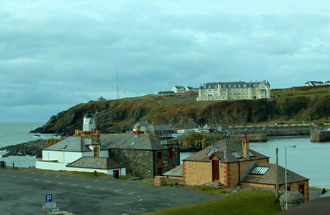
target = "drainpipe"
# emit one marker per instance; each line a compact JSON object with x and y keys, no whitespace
{"x":276,"y":174}
{"x":133,"y":162}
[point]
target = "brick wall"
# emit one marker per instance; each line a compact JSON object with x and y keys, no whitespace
{"x":197,"y":173}
{"x":233,"y":174}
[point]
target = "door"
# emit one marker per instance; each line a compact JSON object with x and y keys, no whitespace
{"x":215,"y":170}
{"x":302,"y":189}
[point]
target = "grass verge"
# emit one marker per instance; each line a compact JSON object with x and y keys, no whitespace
{"x":255,"y":202}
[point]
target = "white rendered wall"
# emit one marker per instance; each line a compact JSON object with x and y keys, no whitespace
{"x":62,"y":156}
{"x":62,"y":166}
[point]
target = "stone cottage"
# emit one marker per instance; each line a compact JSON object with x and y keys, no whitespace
{"x":143,"y":155}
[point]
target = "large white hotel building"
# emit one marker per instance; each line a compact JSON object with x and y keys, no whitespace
{"x":233,"y":90}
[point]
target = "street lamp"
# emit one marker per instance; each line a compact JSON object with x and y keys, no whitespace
{"x":286,"y":180}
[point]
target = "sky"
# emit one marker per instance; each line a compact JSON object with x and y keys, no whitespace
{"x":56,"y":54}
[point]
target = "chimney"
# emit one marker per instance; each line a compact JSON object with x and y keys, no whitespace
{"x":96,"y":136}
{"x":137,"y":130}
{"x":246,"y":147}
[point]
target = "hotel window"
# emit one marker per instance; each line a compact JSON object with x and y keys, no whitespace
{"x":96,"y":151}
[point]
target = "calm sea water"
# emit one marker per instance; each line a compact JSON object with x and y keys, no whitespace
{"x":16,"y":133}
{"x":308,"y":159}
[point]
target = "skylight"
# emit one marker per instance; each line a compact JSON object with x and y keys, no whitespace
{"x":214,"y":149}
{"x":64,"y":146}
{"x":132,"y":143}
{"x":259,"y":170}
{"x":122,"y":142}
{"x":251,"y":154}
{"x":236,"y":155}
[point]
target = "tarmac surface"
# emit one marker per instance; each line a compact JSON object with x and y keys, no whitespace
{"x":24,"y":192}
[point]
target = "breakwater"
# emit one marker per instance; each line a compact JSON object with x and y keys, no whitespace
{"x":259,"y":137}
{"x":320,"y":136}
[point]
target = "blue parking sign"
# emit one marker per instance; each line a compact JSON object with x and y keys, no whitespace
{"x":49,"y":198}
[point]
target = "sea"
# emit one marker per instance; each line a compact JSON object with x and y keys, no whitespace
{"x":308,"y":159}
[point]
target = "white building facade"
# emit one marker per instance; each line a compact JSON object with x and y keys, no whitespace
{"x":234,"y":90}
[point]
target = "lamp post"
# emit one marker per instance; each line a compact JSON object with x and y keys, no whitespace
{"x":286,"y":180}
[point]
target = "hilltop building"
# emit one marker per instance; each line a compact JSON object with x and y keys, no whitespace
{"x":101,"y":99}
{"x":316,"y":83}
{"x":234,"y":90}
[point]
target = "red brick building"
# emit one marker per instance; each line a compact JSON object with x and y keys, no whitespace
{"x":230,"y":164}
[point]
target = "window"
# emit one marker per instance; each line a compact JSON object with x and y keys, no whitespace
{"x":159,"y":155}
{"x":96,"y":151}
{"x":170,"y":151}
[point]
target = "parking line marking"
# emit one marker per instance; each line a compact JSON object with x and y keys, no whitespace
{"x":36,"y":179}
{"x":48,"y":181}
{"x":74,"y":184}
{"x":143,"y":209}
{"x":87,"y":186}
{"x":44,"y":174}
{"x":57,"y":176}
{"x":25,"y":177}
{"x":13,"y":176}
{"x":96,"y":180}
{"x":110,"y":182}
{"x":69,"y":177}
{"x":61,"y":182}
{"x":117,"y":190}
{"x":131,"y":193}
{"x":103,"y":188}
{"x":33,"y":173}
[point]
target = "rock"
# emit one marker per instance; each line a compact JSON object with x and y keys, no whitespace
{"x":32,"y":148}
{"x":294,"y":199}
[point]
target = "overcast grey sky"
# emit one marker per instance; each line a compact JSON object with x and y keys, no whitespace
{"x":56,"y":54}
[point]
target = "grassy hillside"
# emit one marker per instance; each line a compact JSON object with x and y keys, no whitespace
{"x":294,"y":105}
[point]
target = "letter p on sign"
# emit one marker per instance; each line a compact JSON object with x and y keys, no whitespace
{"x":49,"y":198}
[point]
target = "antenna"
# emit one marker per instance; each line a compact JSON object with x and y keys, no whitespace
{"x":117,"y":81}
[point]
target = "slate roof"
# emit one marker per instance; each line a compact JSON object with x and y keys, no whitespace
{"x":177,"y":171}
{"x":239,"y":84}
{"x":190,"y":125}
{"x":141,"y":124}
{"x":224,"y":153}
{"x":95,"y":163}
{"x":128,"y":141}
{"x":74,"y":144}
{"x":162,"y":127}
{"x":270,"y":176}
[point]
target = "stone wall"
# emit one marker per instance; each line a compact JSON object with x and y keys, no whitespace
{"x":295,"y":187}
{"x":258,"y":137}
{"x":142,"y":160}
{"x":166,"y":163}
{"x":197,"y":173}
{"x":258,"y":185}
{"x":320,"y":136}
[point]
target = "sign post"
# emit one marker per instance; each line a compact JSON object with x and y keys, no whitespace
{"x":49,"y":197}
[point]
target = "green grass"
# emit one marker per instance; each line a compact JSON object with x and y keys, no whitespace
{"x":255,"y":202}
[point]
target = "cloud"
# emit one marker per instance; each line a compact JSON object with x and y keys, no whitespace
{"x":56,"y":54}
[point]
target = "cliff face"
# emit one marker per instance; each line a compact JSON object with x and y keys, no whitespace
{"x":116,"y":116}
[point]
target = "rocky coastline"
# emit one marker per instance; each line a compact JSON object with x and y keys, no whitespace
{"x":32,"y":148}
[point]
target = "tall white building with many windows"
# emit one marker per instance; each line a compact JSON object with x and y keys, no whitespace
{"x":234,"y":90}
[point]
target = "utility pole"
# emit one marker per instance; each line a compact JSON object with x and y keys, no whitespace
{"x":309,"y":121}
{"x":269,"y":118}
